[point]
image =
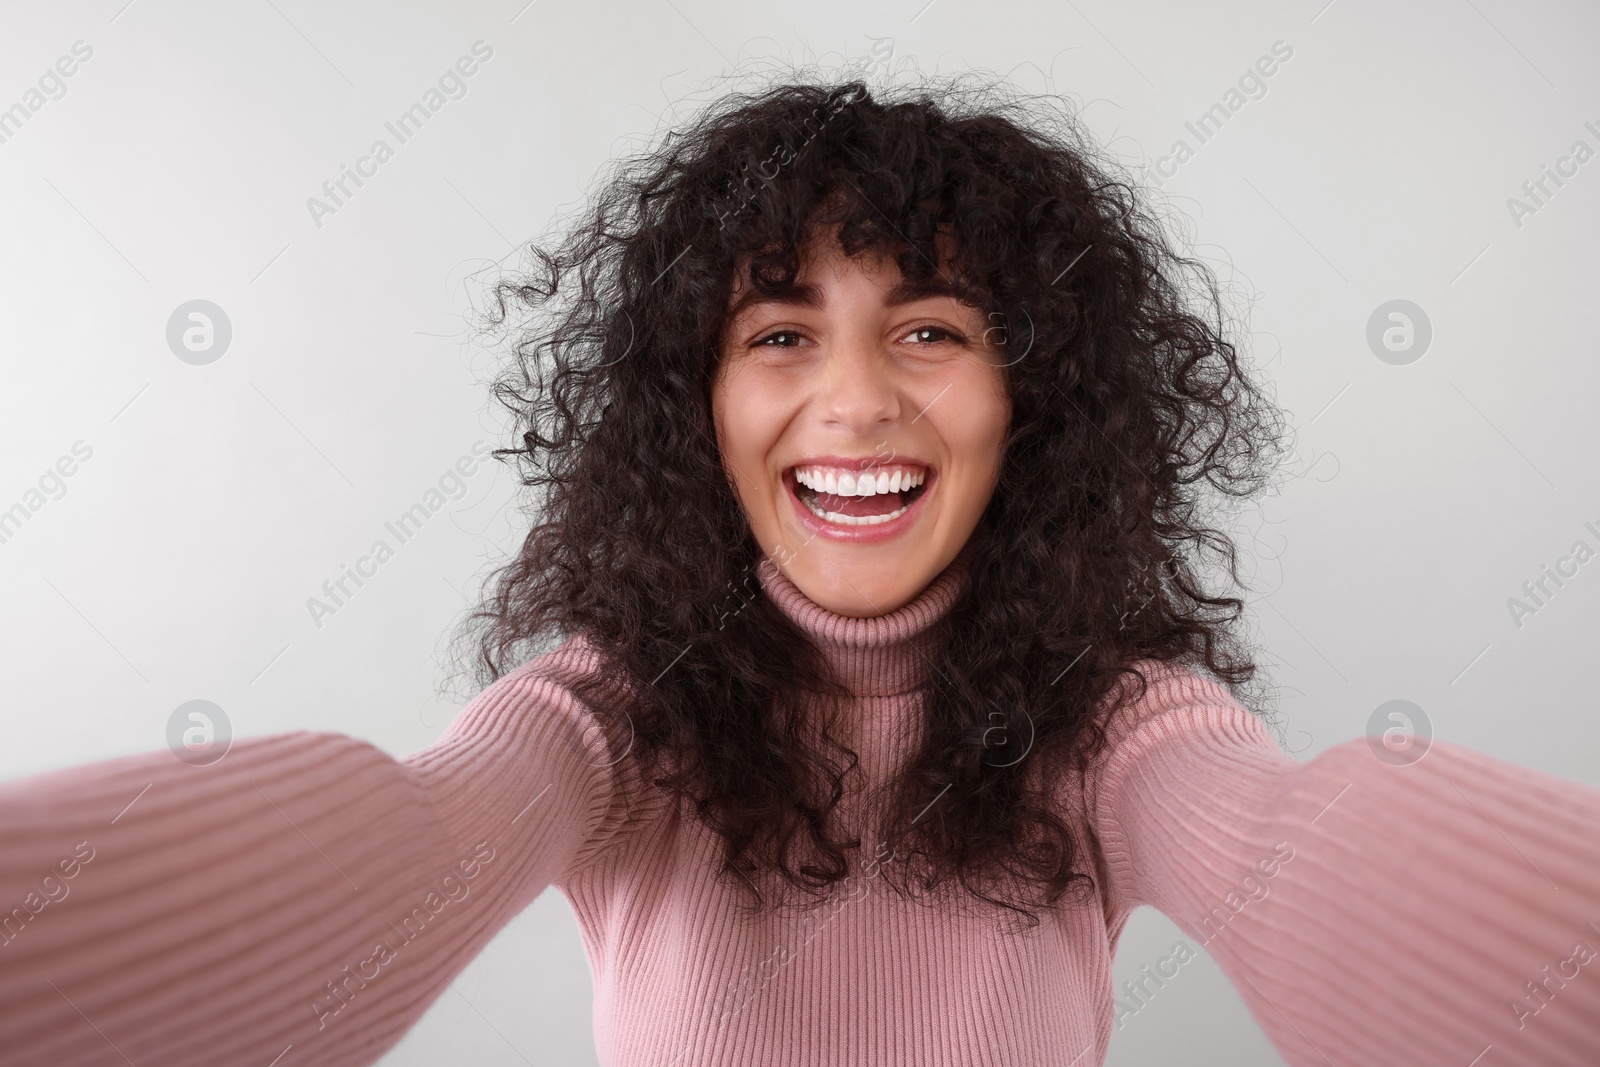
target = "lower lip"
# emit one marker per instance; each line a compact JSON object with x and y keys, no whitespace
{"x":882,"y":531}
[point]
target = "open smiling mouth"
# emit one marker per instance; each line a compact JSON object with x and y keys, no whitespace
{"x":841,"y":497}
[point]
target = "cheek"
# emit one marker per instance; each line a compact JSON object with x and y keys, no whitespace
{"x":727,"y":426}
{"x":974,"y":434}
{"x":977,"y":427}
{"x":744,"y":428}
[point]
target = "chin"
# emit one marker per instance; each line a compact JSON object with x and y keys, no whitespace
{"x":858,"y":587}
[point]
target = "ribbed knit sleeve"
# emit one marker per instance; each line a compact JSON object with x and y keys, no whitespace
{"x":301,"y":901}
{"x":1445,"y":911}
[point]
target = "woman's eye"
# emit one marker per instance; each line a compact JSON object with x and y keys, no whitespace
{"x":781,"y":339}
{"x":931,"y":335}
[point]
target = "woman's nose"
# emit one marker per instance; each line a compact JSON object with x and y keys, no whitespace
{"x":859,"y":391}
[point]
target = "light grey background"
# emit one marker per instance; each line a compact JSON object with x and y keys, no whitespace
{"x":178,"y":562}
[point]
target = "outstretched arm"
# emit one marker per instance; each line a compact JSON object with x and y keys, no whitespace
{"x":306,"y":893}
{"x":1443,"y":912}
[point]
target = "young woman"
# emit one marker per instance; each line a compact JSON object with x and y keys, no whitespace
{"x":880,"y":680}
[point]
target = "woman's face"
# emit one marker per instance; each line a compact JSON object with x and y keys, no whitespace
{"x":861,"y":420}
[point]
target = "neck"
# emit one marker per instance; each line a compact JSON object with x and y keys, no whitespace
{"x":881,"y":655}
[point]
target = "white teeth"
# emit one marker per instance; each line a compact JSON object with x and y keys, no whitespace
{"x":849,"y":483}
{"x":856,"y":520}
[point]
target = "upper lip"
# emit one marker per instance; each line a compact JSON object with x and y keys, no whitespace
{"x":861,"y":463}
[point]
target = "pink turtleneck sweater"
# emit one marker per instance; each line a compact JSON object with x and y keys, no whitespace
{"x":308,"y":896}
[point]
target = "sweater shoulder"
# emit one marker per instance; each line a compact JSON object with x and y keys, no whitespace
{"x":547,"y":685}
{"x":1178,"y":710}
{"x":554,"y":685}
{"x":1169,"y":686}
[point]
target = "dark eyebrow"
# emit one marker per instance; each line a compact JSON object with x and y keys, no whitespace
{"x":911,"y":292}
{"x":806,"y":296}
{"x":809,"y":296}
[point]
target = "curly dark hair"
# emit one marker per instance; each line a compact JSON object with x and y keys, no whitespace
{"x":1131,"y":409}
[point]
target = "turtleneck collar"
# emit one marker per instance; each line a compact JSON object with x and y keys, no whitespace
{"x":883,"y":655}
